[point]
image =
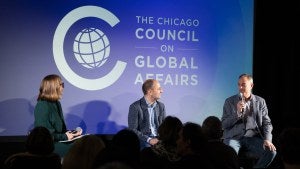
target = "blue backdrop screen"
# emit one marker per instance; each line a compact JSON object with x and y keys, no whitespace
{"x":104,"y":50}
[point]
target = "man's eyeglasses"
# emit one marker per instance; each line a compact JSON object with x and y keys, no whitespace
{"x":62,"y":84}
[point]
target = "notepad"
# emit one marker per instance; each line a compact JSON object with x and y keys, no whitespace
{"x":75,"y":138}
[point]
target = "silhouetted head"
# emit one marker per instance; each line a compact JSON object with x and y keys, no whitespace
{"x":39,"y":141}
{"x":126,"y":138}
{"x":168,"y":130}
{"x":212,"y":127}
{"x":191,"y":139}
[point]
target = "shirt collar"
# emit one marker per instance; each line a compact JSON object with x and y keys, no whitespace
{"x":149,"y":105}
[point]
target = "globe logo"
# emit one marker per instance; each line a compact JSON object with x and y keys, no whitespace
{"x":91,"y":48}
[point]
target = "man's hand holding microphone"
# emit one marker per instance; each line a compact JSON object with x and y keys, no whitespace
{"x":241,"y":105}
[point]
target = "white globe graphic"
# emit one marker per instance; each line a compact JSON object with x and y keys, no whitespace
{"x":91,"y":48}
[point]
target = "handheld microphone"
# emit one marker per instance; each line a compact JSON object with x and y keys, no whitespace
{"x":76,"y":130}
{"x":243,"y":100}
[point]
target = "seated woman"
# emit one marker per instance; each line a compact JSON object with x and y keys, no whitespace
{"x":48,"y":113}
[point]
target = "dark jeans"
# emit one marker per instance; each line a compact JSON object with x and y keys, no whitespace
{"x":253,"y":145}
{"x":144,"y":144}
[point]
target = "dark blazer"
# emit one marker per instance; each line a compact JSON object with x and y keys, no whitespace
{"x":138,"y":118}
{"x":49,"y":114}
{"x":230,"y":120}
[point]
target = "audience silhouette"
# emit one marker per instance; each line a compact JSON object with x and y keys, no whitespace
{"x":180,"y":146}
{"x":160,"y":154}
{"x":83,"y":152}
{"x":39,"y":152}
{"x":124,"y":147}
{"x":192,"y":148}
{"x":222,"y":155}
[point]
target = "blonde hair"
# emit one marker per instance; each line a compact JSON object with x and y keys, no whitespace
{"x":50,"y":88}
